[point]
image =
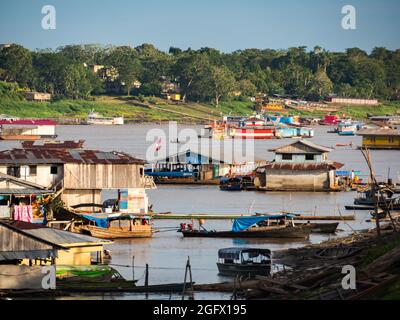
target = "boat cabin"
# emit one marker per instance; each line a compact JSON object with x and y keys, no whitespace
{"x":244,"y":261}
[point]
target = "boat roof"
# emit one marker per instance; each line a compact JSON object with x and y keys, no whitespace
{"x":234,"y":253}
{"x":245,"y":223}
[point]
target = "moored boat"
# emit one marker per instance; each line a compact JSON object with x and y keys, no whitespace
{"x":247,"y":262}
{"x":120,"y":227}
{"x":249,"y":227}
{"x":318,"y":227}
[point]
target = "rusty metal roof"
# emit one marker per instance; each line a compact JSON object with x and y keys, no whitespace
{"x":379,"y":132}
{"x":303,"y":166}
{"x":62,"y":156}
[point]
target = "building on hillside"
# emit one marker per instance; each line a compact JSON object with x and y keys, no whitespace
{"x":299,"y":166}
{"x":37,"y":96}
{"x":380,"y":138}
{"x":191,"y":167}
{"x":352,"y":101}
{"x":77,"y":175}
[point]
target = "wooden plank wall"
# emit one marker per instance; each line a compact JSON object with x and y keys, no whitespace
{"x":102,"y":176}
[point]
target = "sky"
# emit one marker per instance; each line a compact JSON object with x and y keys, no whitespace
{"x":226,"y":25}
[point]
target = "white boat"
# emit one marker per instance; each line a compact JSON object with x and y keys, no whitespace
{"x":97,"y":119}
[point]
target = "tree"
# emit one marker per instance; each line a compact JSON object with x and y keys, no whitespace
{"x":16,"y":65}
{"x":222,"y":82}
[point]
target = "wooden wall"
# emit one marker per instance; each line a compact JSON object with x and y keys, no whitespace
{"x":102,"y":176}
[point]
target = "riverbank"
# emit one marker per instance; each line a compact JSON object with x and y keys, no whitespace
{"x":150,"y":109}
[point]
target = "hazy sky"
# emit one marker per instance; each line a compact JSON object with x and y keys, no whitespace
{"x":226,"y":25}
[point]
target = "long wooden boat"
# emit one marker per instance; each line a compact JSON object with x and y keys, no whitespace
{"x":140,"y":231}
{"x":320,"y":227}
{"x":284,"y":232}
{"x":338,"y":252}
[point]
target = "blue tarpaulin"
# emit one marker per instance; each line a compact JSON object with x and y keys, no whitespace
{"x":100,"y":222}
{"x":244,"y":223}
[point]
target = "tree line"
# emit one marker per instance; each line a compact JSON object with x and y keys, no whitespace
{"x":205,"y":75}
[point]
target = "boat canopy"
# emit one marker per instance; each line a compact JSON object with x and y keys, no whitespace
{"x":245,"y":223}
{"x":234,"y":253}
{"x":102,"y":222}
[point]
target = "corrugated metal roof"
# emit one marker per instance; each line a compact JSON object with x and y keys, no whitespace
{"x":379,"y":132}
{"x":301,"y":166}
{"x":24,"y":191}
{"x":59,"y":237}
{"x":306,"y":143}
{"x":33,"y":254}
{"x":61,"y":156}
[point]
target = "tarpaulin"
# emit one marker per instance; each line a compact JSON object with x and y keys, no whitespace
{"x":100,"y":222}
{"x":247,"y":222}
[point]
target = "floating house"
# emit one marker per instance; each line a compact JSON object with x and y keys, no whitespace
{"x":11,"y":129}
{"x":191,"y":167}
{"x":299,"y":166}
{"x":77,"y":175}
{"x":380,"y":138}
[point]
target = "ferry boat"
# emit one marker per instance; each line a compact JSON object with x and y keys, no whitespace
{"x":253,"y":133}
{"x":95,"y":118}
{"x":347,"y":129}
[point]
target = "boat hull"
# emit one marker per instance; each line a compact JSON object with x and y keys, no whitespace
{"x":20,"y":137}
{"x":119,"y":233}
{"x":321,"y":227}
{"x":278,"y":233}
{"x":247,"y":270}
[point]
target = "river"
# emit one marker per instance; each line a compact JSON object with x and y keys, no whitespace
{"x":167,"y":252}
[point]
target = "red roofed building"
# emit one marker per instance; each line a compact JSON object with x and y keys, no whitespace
{"x":299,"y":166}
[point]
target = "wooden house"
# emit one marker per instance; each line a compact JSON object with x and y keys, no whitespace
{"x":299,"y":166}
{"x":78,"y":175}
{"x":380,"y":138}
{"x":37,"y":96}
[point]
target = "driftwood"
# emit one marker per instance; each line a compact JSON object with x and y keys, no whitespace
{"x":384,"y":263}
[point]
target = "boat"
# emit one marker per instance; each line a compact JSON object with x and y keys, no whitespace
{"x":237,"y":183}
{"x":95,"y":118}
{"x":346,"y":129}
{"x":19,"y":137}
{"x":250,"y":227}
{"x":246,"y":262}
{"x":317,"y":227}
{"x":118,"y":227}
{"x":338,"y":252}
{"x":265,"y":132}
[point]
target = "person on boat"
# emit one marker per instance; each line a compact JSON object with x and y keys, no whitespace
{"x":107,"y":254}
{"x":190,"y":227}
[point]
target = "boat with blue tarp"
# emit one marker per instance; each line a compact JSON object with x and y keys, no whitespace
{"x":270,"y":226}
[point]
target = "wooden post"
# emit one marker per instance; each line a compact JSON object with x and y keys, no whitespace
{"x":146,"y":279}
{"x":133,"y":269}
{"x":188,"y":269}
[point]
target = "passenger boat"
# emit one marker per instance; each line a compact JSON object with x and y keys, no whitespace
{"x":347,"y":129}
{"x":249,"y":227}
{"x":97,"y":119}
{"x":119,"y":227}
{"x":253,"y":133}
{"x":247,"y":262}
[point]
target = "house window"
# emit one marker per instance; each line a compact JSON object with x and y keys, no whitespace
{"x":32,"y":170}
{"x":310,"y":157}
{"x":287,"y":156}
{"x":14,"y":171}
{"x":53,"y":170}
{"x":141,"y":171}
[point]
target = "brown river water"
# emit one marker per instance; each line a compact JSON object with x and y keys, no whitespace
{"x":167,"y":252}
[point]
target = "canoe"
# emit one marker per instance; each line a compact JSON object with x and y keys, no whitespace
{"x":320,"y":227}
{"x":260,"y":232}
{"x":138,"y":231}
{"x":337,"y":252}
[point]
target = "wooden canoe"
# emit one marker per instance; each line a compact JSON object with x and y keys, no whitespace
{"x":320,"y":227}
{"x":137,"y":231}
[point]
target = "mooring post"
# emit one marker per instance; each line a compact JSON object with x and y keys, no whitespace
{"x":146,"y":279}
{"x":133,"y":269}
{"x":188,"y":268}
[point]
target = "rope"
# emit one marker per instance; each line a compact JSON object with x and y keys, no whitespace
{"x":160,"y":268}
